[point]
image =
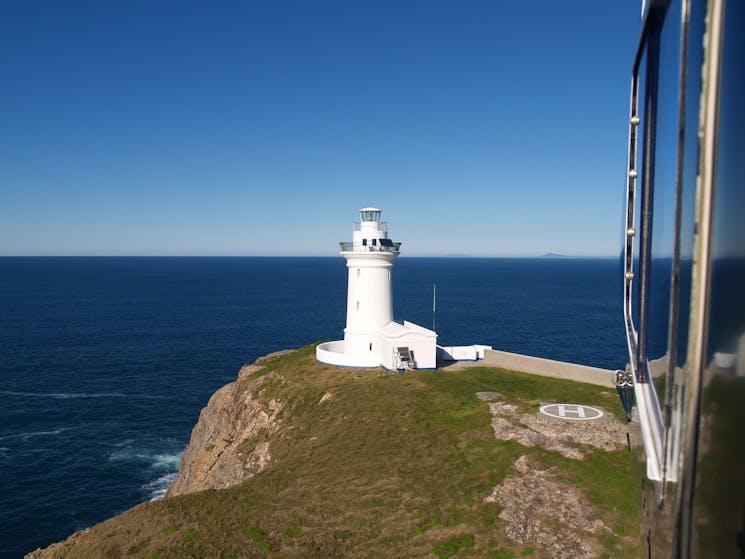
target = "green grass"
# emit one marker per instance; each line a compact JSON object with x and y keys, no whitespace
{"x":171,"y":529}
{"x":292,"y":532}
{"x":392,"y":466}
{"x":138,"y":547}
{"x":192,"y":534}
{"x":431,"y":523}
{"x":259,"y":538}
{"x":449,"y":548}
{"x":502,"y":554}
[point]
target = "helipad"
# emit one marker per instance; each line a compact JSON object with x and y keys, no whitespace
{"x":574,"y":412}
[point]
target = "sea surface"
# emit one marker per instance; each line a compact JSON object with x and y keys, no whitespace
{"x":105,"y":363}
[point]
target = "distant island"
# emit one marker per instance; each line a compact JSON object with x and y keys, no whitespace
{"x":553,"y":255}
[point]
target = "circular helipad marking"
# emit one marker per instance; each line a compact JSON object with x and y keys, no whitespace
{"x":571,"y":411}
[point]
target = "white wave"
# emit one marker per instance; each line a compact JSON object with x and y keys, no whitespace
{"x":66,"y":395}
{"x":163,"y":466}
{"x":155,"y":460}
{"x":130,"y":455}
{"x":27,"y":436}
{"x":167,"y":461}
{"x":157,"y":488}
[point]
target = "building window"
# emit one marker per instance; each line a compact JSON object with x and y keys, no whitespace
{"x":358,"y":305}
{"x":370,"y":346}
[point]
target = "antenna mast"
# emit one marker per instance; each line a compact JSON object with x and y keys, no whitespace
{"x":434,"y":303}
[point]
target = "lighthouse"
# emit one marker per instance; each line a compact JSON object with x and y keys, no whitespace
{"x":372,"y":337}
{"x":369,"y":297}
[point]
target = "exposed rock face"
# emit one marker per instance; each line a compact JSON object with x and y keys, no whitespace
{"x":555,"y":434}
{"x":543,"y":512}
{"x":538,"y":509}
{"x":228,"y":444}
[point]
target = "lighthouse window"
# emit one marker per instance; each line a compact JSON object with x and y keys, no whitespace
{"x":364,"y":242}
{"x":358,"y":305}
{"x":358,"y":272}
{"x":375,"y":242}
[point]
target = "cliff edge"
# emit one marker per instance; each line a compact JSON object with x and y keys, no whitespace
{"x":301,"y":459}
{"x":230,"y":442}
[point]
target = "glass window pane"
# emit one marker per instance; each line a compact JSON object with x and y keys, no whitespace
{"x":727,"y":331}
{"x":717,"y":513}
{"x":694,"y":62}
{"x":663,"y":200}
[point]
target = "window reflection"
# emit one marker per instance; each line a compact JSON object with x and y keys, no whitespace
{"x":635,"y":291}
{"x":687,"y":194}
{"x":726,"y":344}
{"x":655,"y":199}
{"x":662,"y":200}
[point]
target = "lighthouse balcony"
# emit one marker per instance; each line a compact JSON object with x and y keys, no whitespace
{"x":380,"y":245}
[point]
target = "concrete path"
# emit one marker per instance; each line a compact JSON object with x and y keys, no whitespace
{"x":541,"y":367}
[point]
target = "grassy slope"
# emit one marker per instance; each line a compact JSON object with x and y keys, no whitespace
{"x":392,"y":466}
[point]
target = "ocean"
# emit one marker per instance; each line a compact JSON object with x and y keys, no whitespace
{"x":106,"y":362}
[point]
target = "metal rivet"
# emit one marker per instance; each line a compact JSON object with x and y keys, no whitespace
{"x":631,"y":232}
{"x":633,"y":174}
{"x":629,"y":275}
{"x":635,"y":120}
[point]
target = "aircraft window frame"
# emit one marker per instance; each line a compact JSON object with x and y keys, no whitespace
{"x":659,"y":428}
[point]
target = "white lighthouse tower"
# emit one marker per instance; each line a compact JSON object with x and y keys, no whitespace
{"x":369,"y":297}
{"x":372,"y":337}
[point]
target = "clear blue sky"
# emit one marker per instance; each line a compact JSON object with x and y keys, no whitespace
{"x":488,"y":128}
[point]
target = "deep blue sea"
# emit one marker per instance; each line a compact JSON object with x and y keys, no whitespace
{"x":105,"y":363}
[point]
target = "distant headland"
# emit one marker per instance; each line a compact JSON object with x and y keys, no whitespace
{"x":553,"y":255}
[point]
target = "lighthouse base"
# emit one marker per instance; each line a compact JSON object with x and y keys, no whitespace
{"x":333,"y":353}
{"x":397,"y":345}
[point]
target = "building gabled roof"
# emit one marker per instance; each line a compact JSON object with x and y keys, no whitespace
{"x":398,"y":329}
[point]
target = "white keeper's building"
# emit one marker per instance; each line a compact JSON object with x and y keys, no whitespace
{"x":372,"y":338}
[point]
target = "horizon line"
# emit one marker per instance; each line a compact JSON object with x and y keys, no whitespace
{"x":450,"y":256}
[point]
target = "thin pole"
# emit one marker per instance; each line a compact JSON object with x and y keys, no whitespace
{"x":434,"y":304}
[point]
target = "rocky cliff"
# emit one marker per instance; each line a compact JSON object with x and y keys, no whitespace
{"x":230,"y":442}
{"x":300,"y":459}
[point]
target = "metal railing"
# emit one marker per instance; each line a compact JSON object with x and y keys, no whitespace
{"x":348,"y":246}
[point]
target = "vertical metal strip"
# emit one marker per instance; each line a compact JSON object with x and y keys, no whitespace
{"x":701,"y":273}
{"x":630,"y":231}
